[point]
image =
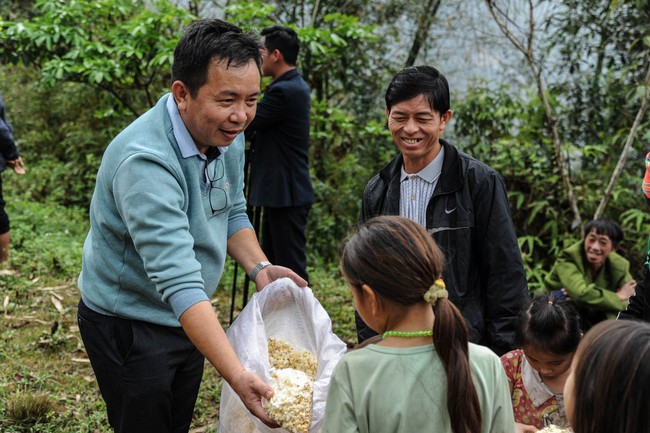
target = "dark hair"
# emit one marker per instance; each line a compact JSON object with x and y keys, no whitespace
{"x":549,"y":324}
{"x":606,"y":227}
{"x":205,"y":41}
{"x":611,"y":377}
{"x":283,"y":39}
{"x":372,"y":255}
{"x":419,"y":80}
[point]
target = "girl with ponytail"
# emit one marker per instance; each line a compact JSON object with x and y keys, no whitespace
{"x":424,"y":375}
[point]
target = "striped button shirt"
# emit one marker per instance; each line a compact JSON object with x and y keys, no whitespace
{"x":416,"y":190}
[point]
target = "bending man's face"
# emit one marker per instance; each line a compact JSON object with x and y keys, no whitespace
{"x":223,"y":107}
{"x":416,"y":129}
{"x":597,"y":248}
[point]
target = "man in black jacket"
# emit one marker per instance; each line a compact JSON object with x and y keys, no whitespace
{"x":461,"y":201}
{"x":279,"y":181}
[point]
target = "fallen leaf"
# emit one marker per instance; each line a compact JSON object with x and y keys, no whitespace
{"x":57,"y":304}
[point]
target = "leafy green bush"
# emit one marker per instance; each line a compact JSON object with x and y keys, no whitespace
{"x":344,"y":155}
{"x":509,"y":134}
{"x":46,"y":239}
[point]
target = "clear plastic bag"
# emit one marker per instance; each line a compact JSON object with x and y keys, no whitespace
{"x":282,"y":310}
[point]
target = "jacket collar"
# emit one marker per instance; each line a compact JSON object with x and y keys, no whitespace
{"x":450,"y":178}
{"x":287,"y":75}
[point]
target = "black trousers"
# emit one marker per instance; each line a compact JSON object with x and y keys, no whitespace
{"x":149,"y":375}
{"x":283,"y":237}
{"x":4,"y":218}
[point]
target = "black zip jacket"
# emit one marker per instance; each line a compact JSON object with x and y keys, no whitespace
{"x":469,"y":218}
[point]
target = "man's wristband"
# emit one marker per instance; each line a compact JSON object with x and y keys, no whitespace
{"x":256,"y":270}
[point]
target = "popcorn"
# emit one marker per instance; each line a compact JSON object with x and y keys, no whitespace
{"x":293,"y":372}
{"x":553,"y":429}
{"x":282,"y":355}
{"x":291,"y":404}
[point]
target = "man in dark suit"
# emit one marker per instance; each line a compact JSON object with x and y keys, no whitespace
{"x":9,"y":156}
{"x":280,"y":181}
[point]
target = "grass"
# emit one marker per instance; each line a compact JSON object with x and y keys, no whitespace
{"x":46,"y":383}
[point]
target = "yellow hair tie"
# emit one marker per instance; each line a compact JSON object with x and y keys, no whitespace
{"x":435,"y":292}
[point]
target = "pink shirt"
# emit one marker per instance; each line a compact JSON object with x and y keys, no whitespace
{"x":532,"y":400}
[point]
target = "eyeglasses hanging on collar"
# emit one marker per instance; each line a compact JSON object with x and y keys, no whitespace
{"x":217,"y":195}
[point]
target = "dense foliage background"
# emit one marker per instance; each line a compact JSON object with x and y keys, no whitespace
{"x":553,"y":96}
{"x":76,"y":72}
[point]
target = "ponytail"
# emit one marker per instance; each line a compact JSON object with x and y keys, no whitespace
{"x":408,"y":246}
{"x":451,"y":342}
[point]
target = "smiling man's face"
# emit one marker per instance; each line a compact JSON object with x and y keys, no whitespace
{"x":597,"y":248}
{"x":416,"y":129}
{"x":223,"y":107}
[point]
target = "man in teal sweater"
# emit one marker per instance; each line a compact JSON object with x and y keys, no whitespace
{"x":167,"y":208}
{"x":593,"y":275}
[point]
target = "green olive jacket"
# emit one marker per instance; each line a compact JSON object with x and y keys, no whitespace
{"x":595,"y":297}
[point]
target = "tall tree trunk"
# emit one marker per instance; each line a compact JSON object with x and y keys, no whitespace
{"x":645,"y":101}
{"x":527,"y":50}
{"x":424,"y":23}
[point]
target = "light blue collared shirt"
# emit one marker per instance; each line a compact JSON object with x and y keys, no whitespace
{"x":184,"y":139}
{"x":416,"y":189}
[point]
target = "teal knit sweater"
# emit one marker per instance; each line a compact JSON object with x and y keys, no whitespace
{"x":152,"y":231}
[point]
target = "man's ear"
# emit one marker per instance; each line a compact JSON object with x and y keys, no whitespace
{"x":278,"y":55}
{"x":180,"y":93}
{"x":445,"y":118}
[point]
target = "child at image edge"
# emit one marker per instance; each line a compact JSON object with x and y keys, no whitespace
{"x":547,"y":333}
{"x":607,"y":390}
{"x":423,"y":376}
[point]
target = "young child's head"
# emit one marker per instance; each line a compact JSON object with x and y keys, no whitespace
{"x":548,"y":331}
{"x":607,"y":390}
{"x":394,"y":256}
{"x":601,"y":237}
{"x":396,"y":260}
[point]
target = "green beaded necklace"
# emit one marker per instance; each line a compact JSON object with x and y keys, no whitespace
{"x":408,"y":334}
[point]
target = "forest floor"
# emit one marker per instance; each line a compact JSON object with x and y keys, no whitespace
{"x":46,"y":381}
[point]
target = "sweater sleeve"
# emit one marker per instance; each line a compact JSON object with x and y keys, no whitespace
{"x":238,"y":217}
{"x":151,"y":208}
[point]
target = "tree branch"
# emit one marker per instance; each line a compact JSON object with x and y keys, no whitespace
{"x":424,"y":22}
{"x":527,"y":51}
{"x":626,"y":149}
